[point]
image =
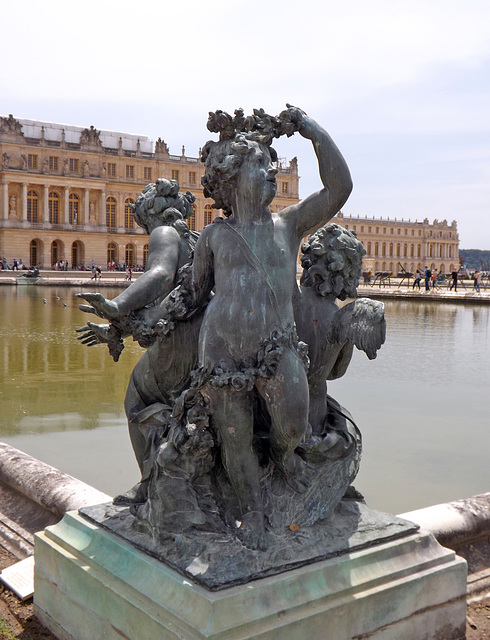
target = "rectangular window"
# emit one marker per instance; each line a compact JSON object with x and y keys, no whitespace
{"x":147,"y":173}
{"x":111,"y":169}
{"x":377,"y":229}
{"x":284,"y":187}
{"x":175,"y":174}
{"x":384,"y":229}
{"x":32,"y":161}
{"x":362,"y":229}
{"x":53,"y":163}
{"x":74,"y":165}
{"x":369,"y":229}
{"x":391,"y":231}
{"x":129,"y":171}
{"x":192,"y":177}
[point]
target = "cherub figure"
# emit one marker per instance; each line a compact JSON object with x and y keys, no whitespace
{"x":248,"y":343}
{"x":163,"y":371}
{"x":332,"y":259}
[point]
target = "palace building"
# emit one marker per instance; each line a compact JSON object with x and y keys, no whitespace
{"x":65,"y":192}
{"x":395,"y":245}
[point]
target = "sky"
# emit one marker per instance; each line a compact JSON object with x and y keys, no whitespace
{"x":403,"y":87}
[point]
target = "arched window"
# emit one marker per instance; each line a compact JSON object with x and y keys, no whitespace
{"x":376,"y":249}
{"x":110,"y":212}
{"x":398,"y":250}
{"x":55,"y":252}
{"x":208,"y":214}
{"x":191,"y":222}
{"x":391,"y":249}
{"x":77,"y":254}
{"x":54,"y":209}
{"x":34,"y":253}
{"x":405,"y":250}
{"x":111,"y":253}
{"x":383,"y":251}
{"x":145,"y":256}
{"x":128,"y":214}
{"x":32,"y":209}
{"x":74,"y":209}
{"x":369,"y":248}
{"x":418,"y":251}
{"x":129,"y":255}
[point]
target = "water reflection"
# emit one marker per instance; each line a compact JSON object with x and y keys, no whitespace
{"x":422,"y":405}
{"x":49,"y":381}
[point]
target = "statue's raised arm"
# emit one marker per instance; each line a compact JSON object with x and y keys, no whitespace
{"x":320,"y":207}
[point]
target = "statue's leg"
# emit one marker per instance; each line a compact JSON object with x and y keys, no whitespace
{"x":318,"y":403}
{"x":133,"y":404}
{"x":286,"y":397}
{"x":232,"y":417}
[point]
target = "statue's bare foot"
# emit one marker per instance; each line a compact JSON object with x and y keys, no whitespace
{"x":252,"y":532}
{"x":137,"y":495}
{"x":293,"y":470}
{"x":351,"y":493}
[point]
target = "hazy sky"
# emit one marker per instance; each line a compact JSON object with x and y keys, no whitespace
{"x":403,"y":86}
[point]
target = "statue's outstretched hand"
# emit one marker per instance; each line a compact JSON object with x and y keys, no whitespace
{"x":99,"y":305}
{"x":93,"y":333}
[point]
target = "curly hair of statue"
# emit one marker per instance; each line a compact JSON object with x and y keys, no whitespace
{"x":238,"y":136}
{"x":332,"y":261}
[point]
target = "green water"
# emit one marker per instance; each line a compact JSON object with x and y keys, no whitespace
{"x":60,"y":400}
{"x":422,"y":405}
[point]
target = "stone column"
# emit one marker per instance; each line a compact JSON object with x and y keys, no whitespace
{"x":120,"y":211}
{"x":102,"y":209}
{"x":46,"y":204}
{"x":24,"y":201}
{"x":5,"y":201}
{"x":86,"y":206}
{"x":66,"y":206}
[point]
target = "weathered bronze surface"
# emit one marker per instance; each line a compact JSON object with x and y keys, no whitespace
{"x":229,"y":417}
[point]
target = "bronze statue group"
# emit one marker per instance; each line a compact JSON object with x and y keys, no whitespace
{"x":228,"y":411}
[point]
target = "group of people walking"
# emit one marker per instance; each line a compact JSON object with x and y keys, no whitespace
{"x":431,"y":279}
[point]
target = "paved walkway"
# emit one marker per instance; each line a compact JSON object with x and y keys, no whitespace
{"x":394,"y":290}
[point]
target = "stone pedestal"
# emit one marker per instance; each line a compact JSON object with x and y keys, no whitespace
{"x":91,"y":584}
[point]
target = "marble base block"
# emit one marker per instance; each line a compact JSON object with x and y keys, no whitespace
{"x":91,"y":584}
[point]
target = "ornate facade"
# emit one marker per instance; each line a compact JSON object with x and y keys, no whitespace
{"x":65,"y":192}
{"x":392,"y":244}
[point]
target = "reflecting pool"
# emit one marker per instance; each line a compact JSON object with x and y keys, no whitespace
{"x":422,"y":405}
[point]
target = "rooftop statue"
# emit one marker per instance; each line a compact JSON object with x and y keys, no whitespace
{"x":247,"y":445}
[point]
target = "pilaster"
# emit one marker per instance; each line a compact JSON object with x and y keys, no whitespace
{"x":24,"y":202}
{"x":102,"y":219}
{"x":86,"y":206}
{"x":5,"y":200}
{"x":66,"y":206}
{"x":46,"y":204}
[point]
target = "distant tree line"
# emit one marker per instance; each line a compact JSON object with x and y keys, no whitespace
{"x":475,"y":259}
